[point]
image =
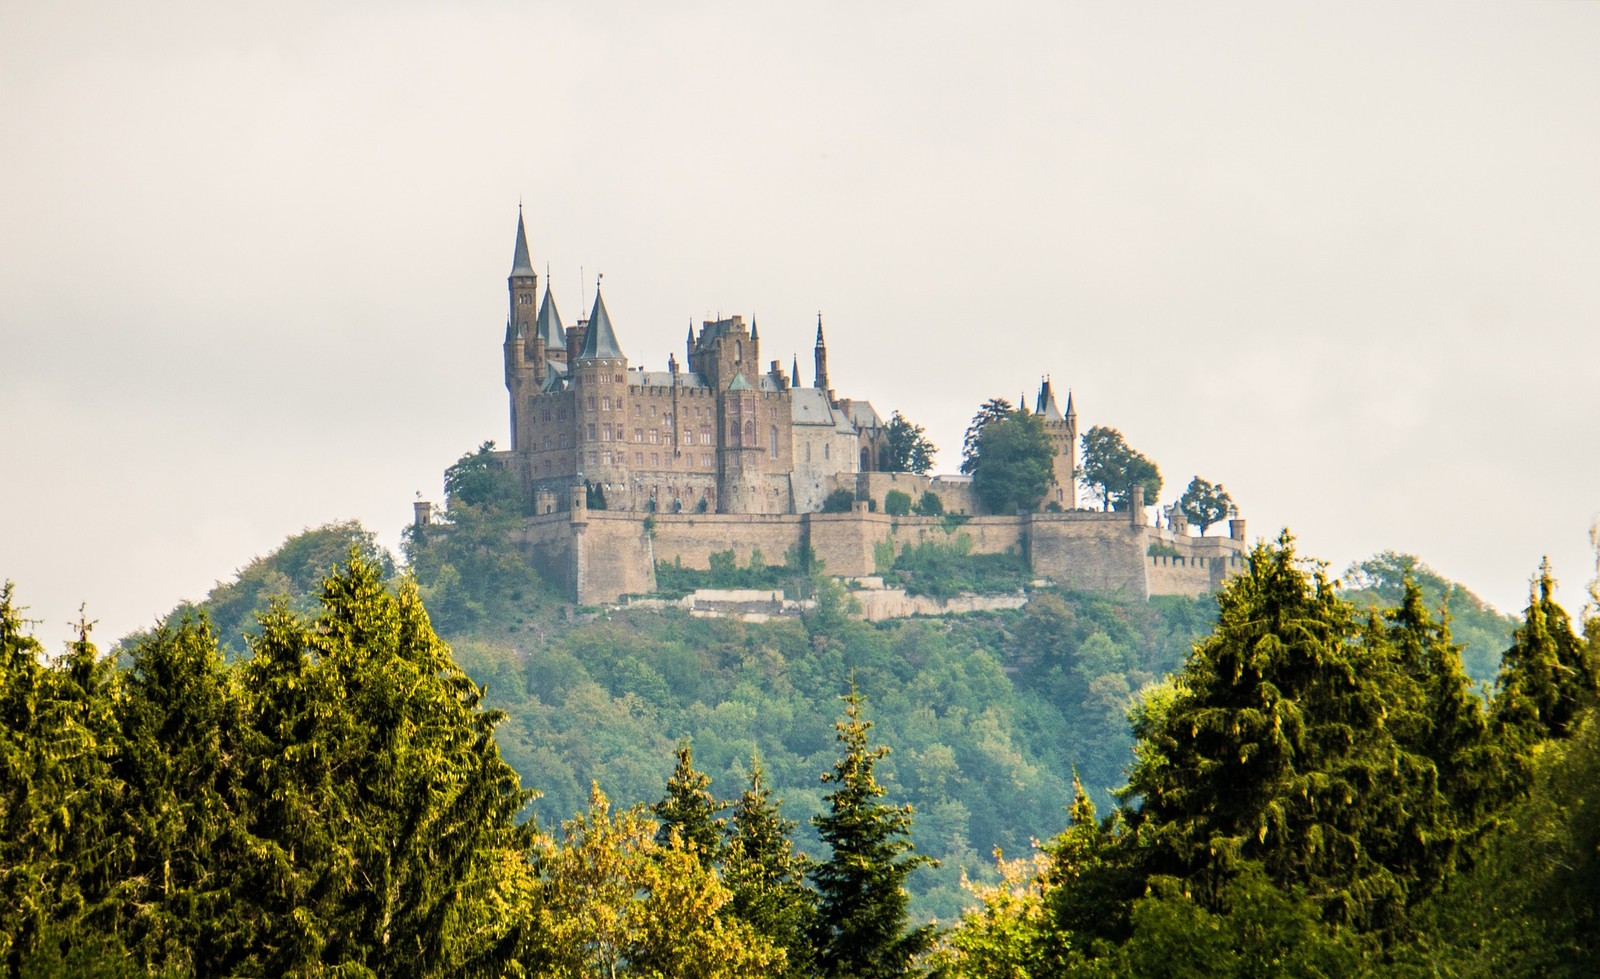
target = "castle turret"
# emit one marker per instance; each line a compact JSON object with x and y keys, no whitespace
{"x":821,"y":353}
{"x":599,"y":379}
{"x":521,"y":284}
{"x":1063,"y":433}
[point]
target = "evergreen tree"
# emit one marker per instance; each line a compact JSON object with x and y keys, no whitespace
{"x":1548,"y":676}
{"x":1275,"y":749}
{"x":767,"y":876}
{"x":861,"y":930}
{"x":690,"y":810}
{"x":187,"y":878}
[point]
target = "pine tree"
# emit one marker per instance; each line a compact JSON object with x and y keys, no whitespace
{"x":767,"y":876}
{"x":1275,"y":749}
{"x":690,"y":810}
{"x":861,"y":930}
{"x":1548,"y":676}
{"x":179,"y":747}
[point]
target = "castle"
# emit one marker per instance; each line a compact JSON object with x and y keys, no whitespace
{"x":624,"y":467}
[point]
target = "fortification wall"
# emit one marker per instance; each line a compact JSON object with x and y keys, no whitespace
{"x":691,"y":538}
{"x":955,"y":495}
{"x":1087,"y":550}
{"x":614,"y":557}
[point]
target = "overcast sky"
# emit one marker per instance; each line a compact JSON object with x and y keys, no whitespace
{"x":1343,"y":258}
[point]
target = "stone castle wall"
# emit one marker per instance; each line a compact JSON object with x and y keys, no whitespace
{"x":599,"y":556}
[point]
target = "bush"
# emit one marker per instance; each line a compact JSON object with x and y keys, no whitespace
{"x":930,"y":505}
{"x":897,"y":504}
{"x":839,"y":501}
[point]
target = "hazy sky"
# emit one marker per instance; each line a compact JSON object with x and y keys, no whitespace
{"x":1343,"y":258}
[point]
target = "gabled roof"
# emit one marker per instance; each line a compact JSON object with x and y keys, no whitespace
{"x":809,"y":406}
{"x":548,"y":326}
{"x":520,"y":264}
{"x":554,"y":378}
{"x":600,"y":343}
{"x":739,"y":383}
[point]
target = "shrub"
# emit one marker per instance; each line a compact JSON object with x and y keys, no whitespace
{"x":839,"y":501}
{"x":930,"y":505}
{"x":897,"y":504}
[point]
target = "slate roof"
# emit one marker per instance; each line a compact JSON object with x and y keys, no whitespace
{"x":548,"y":326}
{"x":520,"y":264}
{"x":600,"y":343}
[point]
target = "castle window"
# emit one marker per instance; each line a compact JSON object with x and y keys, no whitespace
{"x":592,"y":433}
{"x":591,"y":402}
{"x":547,"y":442}
{"x":738,"y":350}
{"x":638,"y":435}
{"x":618,"y":378}
{"x":524,"y":300}
{"x":655,"y":459}
{"x":773,"y":441}
{"x":705,"y":434}
{"x":654,"y":436}
{"x":606,"y":458}
{"x":606,"y":433}
{"x":750,"y":432}
{"x":592,"y":458}
{"x":808,"y":451}
{"x":824,"y":450}
{"x":688,"y":438}
{"x":605,"y":404}
{"x":546,"y":416}
{"x":638,"y":458}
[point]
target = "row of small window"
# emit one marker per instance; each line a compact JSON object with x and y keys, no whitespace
{"x":707,"y":460}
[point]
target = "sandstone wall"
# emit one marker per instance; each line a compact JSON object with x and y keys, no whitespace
{"x":1090,"y":551}
{"x":691,"y":538}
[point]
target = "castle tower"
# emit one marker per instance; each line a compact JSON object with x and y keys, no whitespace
{"x":599,"y":377}
{"x":1063,"y":433}
{"x":821,"y":353}
{"x":520,"y":371}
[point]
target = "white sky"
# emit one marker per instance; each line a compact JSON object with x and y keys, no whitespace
{"x":1343,"y":258}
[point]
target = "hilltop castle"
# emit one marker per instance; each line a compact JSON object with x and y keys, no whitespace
{"x":624,"y":467}
{"x":718,"y":433}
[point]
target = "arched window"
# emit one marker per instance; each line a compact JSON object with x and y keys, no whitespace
{"x":738,"y":350}
{"x":750,"y":432}
{"x":772,"y":440}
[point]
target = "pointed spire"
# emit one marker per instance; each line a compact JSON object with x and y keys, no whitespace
{"x":520,"y":263}
{"x":819,"y":330}
{"x":1046,"y":405}
{"x":1072,"y":413}
{"x":548,"y":326}
{"x":795,"y":381}
{"x":600,"y":341}
{"x":755,"y":331}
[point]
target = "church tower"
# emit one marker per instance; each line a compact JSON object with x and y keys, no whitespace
{"x":821,"y":354}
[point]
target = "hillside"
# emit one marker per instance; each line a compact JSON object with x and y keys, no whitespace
{"x":988,"y":715}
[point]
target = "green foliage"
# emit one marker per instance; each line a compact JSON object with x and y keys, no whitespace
{"x":930,"y":505}
{"x":292,"y":574}
{"x":1110,"y":469}
{"x":1548,"y":676}
{"x":767,"y":876}
{"x":839,"y":501}
{"x":673,"y":580}
{"x":1203,"y":504}
{"x":907,"y":448}
{"x":1379,"y":582}
{"x":478,"y":479}
{"x":993,"y":410}
{"x":689,"y":810}
{"x":1011,"y":464}
{"x":945,"y":570}
{"x":897,"y":504}
{"x":862,"y":925}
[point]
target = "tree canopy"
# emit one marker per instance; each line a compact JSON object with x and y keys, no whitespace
{"x":907,"y":448}
{"x":1204,"y":503}
{"x":1110,"y":469}
{"x":1011,"y":461}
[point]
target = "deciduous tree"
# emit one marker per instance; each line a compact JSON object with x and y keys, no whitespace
{"x":1203,"y":504}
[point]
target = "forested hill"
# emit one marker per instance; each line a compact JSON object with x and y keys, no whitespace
{"x":988,"y":715}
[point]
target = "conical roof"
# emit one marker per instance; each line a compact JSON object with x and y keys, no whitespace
{"x":600,"y":342}
{"x":520,"y":263}
{"x":1046,"y":404}
{"x":548,"y":326}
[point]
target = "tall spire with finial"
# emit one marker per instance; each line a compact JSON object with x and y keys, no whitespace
{"x":795,"y":381}
{"x":821,"y":355}
{"x":600,"y":342}
{"x":521,"y":264}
